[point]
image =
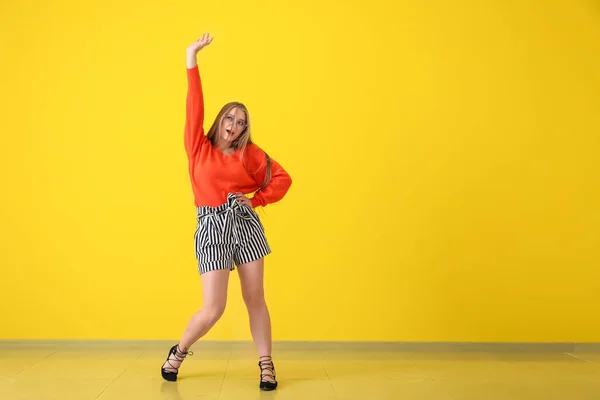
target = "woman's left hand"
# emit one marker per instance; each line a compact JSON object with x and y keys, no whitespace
{"x":242,"y":199}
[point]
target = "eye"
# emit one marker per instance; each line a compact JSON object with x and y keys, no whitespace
{"x":241,"y":124}
{"x":229,"y":117}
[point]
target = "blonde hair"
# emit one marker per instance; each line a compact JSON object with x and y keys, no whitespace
{"x":242,"y":141}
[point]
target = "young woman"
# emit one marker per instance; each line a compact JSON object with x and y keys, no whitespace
{"x":224,"y":166}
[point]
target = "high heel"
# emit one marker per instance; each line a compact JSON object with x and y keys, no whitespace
{"x":170,"y":373}
{"x":267,"y":365}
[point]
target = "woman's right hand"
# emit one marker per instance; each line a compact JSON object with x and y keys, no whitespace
{"x":204,"y":41}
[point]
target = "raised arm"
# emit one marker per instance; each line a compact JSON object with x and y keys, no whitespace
{"x":194,"y":111}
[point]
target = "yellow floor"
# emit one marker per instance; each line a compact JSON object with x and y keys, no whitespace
{"x":110,"y":373}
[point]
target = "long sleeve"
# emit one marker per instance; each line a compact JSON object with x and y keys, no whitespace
{"x":280,"y":181}
{"x":194,"y":113}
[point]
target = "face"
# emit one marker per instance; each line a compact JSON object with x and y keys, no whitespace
{"x":233,"y":124}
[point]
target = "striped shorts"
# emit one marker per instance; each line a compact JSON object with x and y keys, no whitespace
{"x":227,"y":234}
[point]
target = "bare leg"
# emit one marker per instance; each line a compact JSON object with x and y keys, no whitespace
{"x":214,"y":295}
{"x":251,"y":279}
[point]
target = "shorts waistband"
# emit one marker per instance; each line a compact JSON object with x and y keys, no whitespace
{"x":230,"y":204}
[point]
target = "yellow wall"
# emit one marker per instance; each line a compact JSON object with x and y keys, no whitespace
{"x":444,"y":157}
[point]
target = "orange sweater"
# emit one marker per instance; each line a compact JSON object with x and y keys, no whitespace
{"x":214,"y":174}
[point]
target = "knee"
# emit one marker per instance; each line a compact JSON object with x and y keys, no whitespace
{"x":254,"y":299}
{"x":214,"y":312}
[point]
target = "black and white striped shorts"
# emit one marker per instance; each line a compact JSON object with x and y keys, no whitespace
{"x":227,"y":234}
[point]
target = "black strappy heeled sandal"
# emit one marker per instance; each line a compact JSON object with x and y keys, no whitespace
{"x":170,"y":373}
{"x":267,"y":365}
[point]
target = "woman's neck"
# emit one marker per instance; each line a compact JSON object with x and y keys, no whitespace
{"x":225,"y":146}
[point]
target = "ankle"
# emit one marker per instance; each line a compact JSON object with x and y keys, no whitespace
{"x":182,"y":349}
